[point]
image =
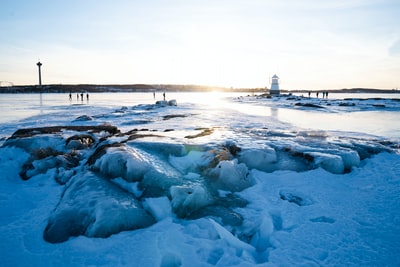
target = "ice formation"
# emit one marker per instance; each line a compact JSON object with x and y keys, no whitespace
{"x":177,"y":194}
{"x":187,"y":182}
{"x":95,"y":207}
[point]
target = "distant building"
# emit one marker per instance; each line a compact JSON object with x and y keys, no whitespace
{"x":274,"y":85}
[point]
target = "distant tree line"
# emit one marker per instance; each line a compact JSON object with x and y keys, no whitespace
{"x":75,"y":88}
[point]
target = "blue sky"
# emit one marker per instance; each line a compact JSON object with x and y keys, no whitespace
{"x":309,"y":44}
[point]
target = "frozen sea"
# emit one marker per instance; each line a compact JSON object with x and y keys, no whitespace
{"x":220,"y":179}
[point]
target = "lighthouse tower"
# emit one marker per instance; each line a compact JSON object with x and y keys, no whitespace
{"x":39,"y":64}
{"x":274,"y":85}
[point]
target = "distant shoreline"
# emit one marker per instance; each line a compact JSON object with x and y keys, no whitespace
{"x":130,"y":88}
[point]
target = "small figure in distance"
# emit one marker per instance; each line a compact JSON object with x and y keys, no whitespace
{"x":82,"y":97}
{"x":70,"y":96}
{"x":309,"y":94}
{"x":87,"y":97}
{"x":164,"y":96}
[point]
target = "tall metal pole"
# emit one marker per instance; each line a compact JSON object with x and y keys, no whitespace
{"x":40,"y":74}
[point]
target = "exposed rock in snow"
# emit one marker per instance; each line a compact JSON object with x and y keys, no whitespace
{"x":308,"y":105}
{"x":80,"y":141}
{"x":36,"y":166}
{"x":27,"y":132}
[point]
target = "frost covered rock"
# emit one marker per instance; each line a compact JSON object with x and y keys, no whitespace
{"x":34,"y":143}
{"x":44,"y":159}
{"x":122,"y":161}
{"x":162,"y":103}
{"x":188,"y":198}
{"x":230,"y":175}
{"x":172,"y":102}
{"x":94,"y":207}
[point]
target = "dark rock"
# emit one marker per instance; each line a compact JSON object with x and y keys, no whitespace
{"x":308,"y":105}
{"x":205,"y":132}
{"x":346,"y":104}
{"x":80,"y":141}
{"x":21,"y":133}
{"x":84,"y":118}
{"x":172,"y":116}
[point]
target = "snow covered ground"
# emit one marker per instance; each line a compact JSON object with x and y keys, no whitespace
{"x":217,"y":182}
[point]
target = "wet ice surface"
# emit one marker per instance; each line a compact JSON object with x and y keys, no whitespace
{"x":374,"y":115}
{"x":196,"y":184}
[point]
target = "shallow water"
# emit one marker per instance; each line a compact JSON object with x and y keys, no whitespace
{"x":15,"y":107}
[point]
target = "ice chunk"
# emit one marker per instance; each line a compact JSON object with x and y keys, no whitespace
{"x":350,"y":159}
{"x":159,"y":207}
{"x":128,"y":186}
{"x":329,"y":162}
{"x":94,"y":207}
{"x":260,"y":159}
{"x":261,"y":239}
{"x":231,"y":239}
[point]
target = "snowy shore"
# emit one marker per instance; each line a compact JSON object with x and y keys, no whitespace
{"x":198,"y":185}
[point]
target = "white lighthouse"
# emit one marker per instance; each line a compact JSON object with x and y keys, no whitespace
{"x":274,"y":85}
